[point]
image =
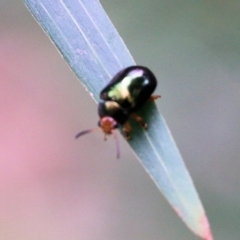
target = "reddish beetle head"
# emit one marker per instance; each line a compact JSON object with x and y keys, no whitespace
{"x":107,"y":124}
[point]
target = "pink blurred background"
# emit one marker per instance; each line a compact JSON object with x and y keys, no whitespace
{"x":52,"y":186}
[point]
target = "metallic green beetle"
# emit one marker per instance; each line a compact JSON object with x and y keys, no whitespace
{"x":125,"y":94}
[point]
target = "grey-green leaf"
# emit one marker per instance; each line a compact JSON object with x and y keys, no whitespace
{"x":94,"y":50}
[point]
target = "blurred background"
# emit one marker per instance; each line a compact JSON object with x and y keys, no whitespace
{"x":53,"y":187}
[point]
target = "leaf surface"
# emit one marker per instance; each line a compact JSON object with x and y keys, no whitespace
{"x":88,"y":41}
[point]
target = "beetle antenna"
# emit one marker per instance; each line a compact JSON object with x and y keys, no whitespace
{"x":117,"y":143}
{"x":97,"y":129}
{"x":87,"y":131}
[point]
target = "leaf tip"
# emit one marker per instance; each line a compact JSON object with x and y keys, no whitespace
{"x":207,"y":233}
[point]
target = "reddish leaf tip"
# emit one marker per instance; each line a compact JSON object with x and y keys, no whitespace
{"x":205,"y":224}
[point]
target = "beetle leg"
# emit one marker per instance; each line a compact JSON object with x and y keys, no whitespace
{"x":154,"y":97}
{"x":127,"y":129}
{"x":139,"y":119}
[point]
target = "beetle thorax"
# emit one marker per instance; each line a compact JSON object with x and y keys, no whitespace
{"x":107,"y":124}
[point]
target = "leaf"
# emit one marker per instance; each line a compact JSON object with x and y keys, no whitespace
{"x":92,"y":47}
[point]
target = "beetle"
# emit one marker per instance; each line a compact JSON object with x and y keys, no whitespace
{"x":124,"y":95}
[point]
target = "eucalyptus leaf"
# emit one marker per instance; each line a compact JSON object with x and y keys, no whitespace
{"x":88,"y":41}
